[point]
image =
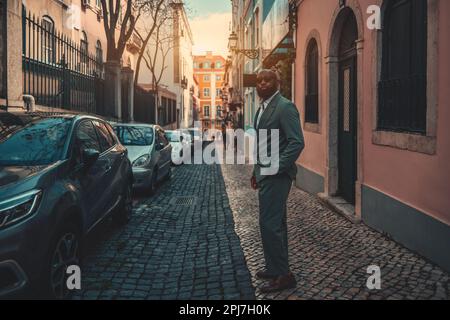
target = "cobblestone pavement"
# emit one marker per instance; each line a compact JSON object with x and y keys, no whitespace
{"x":212,"y":248}
{"x":328,"y":254}
{"x":171,"y":251}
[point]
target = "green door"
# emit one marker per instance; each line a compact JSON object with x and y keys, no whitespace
{"x":347,"y":129}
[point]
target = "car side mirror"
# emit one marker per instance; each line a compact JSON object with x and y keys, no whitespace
{"x":90,"y":156}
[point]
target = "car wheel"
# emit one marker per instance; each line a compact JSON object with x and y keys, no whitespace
{"x":65,"y":251}
{"x":123,"y":215}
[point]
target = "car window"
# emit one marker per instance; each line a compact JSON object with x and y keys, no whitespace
{"x":106,"y":141}
{"x":134,"y":136}
{"x":85,"y":138}
{"x":32,"y":141}
{"x":173,"y":136}
{"x":112,"y":133}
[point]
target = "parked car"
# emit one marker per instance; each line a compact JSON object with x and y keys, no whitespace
{"x":60,"y":175}
{"x":195,"y":133}
{"x":178,"y":142}
{"x":149,"y":152}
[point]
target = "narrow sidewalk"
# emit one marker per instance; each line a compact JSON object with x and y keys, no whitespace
{"x":328,"y":254}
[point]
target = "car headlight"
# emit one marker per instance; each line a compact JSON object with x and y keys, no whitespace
{"x":18,"y":208}
{"x":141,"y":161}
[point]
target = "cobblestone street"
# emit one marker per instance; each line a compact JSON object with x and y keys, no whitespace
{"x":198,"y":238}
{"x":328,"y":254}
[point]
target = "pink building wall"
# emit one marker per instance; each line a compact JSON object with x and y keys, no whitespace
{"x":421,"y":181}
{"x":311,"y":21}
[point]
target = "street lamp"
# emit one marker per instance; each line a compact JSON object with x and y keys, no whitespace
{"x":233,"y":46}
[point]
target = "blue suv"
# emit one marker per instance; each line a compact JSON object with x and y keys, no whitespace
{"x":60,"y":175}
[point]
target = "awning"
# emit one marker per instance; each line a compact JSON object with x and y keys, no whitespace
{"x":284,"y":50}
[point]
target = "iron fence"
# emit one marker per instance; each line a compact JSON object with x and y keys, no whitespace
{"x":58,"y":72}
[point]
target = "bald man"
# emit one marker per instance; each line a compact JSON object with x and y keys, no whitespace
{"x":276,"y":112}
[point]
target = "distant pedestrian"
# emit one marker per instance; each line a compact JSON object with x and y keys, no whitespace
{"x":224,"y":134}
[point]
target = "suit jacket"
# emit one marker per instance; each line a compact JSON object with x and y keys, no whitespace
{"x":283,"y":115}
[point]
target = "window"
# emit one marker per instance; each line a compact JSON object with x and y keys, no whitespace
{"x":106,"y":140}
{"x":135,"y":136}
{"x":206,"y":78}
{"x":218,"y":93}
{"x":218,"y":65}
{"x":99,"y":52}
{"x":402,"y":92}
{"x":206,"y":111}
{"x":29,"y":141}
{"x":219,"y":111}
{"x":48,"y":40}
{"x":84,"y":47}
{"x":312,"y":83}
{"x":206,"y":92}
{"x":195,"y":65}
{"x":257,"y":28}
{"x":218,"y":77}
{"x":86,"y":138}
{"x":206,"y":65}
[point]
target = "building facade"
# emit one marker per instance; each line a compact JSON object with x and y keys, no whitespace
{"x":209,"y":71}
{"x":57,"y":43}
{"x":174,"y":63}
{"x":264,"y":32}
{"x":373,"y":101}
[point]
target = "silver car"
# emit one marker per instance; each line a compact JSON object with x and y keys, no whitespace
{"x":149,"y":152}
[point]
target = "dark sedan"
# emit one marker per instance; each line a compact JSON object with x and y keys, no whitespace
{"x":60,"y":175}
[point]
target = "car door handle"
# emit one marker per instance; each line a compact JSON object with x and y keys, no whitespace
{"x":108,"y":169}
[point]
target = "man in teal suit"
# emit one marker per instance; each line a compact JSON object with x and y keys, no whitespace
{"x":276,"y":112}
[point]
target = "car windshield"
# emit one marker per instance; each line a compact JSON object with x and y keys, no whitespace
{"x":134,"y":136}
{"x":32,"y":141}
{"x":194,"y":133}
{"x":173,"y":136}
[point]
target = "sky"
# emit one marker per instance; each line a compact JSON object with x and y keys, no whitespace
{"x":210,"y":23}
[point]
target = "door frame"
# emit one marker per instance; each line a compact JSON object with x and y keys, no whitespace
{"x":332,"y":62}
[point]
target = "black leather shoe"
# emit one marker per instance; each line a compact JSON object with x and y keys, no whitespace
{"x":280,"y":283}
{"x":264,"y":275}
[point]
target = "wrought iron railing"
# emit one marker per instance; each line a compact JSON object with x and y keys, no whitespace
{"x":402,"y":105}
{"x":58,"y":72}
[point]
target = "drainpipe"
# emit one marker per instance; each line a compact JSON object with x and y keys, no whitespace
{"x":30,"y":102}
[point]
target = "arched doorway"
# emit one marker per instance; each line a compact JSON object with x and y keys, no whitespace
{"x":347,"y":108}
{"x":344,"y":60}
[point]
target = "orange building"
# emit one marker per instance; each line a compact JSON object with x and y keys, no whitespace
{"x":209,"y":71}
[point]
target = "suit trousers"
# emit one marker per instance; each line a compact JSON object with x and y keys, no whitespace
{"x":273,"y":195}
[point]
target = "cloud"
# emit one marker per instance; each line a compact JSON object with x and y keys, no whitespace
{"x":211,"y":33}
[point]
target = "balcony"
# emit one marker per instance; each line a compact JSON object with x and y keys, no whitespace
{"x":134,"y":44}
